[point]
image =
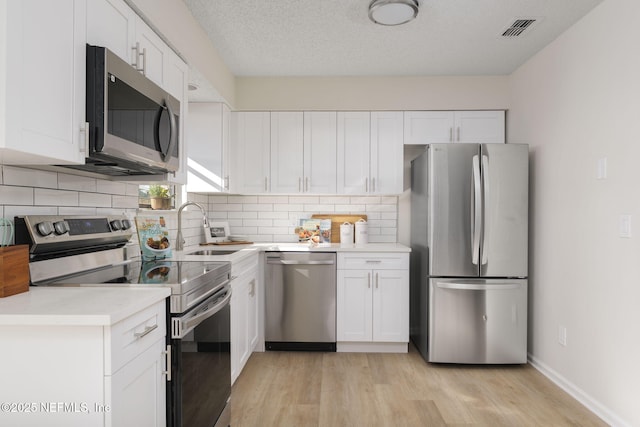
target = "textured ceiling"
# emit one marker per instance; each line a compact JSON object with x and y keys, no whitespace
{"x":336,"y":38}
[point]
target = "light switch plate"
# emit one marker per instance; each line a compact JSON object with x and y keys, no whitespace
{"x":625,"y":226}
{"x":602,"y":168}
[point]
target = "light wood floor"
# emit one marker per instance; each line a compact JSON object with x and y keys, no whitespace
{"x":358,"y":389}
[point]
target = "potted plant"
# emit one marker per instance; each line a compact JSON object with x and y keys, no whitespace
{"x":160,"y":197}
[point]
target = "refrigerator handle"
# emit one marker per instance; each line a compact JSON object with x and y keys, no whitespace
{"x":476,"y":212}
{"x":486,"y":196}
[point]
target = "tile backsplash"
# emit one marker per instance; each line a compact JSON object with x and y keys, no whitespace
{"x":266,"y":218}
{"x":273,"y":218}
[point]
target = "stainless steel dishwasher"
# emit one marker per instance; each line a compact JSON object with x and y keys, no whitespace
{"x":300,"y":301}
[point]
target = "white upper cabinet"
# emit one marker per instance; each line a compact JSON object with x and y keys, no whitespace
{"x":112,"y":24}
{"x":387,"y":152}
{"x":354,"y":138}
{"x":303,"y":152}
{"x":42,"y":119}
{"x":370,"y":153}
{"x":151,"y":52}
{"x":250,"y":152}
{"x":320,"y":141}
{"x":208,"y":147}
{"x":481,"y":127}
{"x":431,"y":127}
{"x":287,"y":154}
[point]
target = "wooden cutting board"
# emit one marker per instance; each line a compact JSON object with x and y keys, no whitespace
{"x":336,"y":220}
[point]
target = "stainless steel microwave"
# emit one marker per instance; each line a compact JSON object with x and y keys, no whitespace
{"x":133,"y":122}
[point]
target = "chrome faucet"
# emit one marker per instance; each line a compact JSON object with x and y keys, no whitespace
{"x":205,"y":223}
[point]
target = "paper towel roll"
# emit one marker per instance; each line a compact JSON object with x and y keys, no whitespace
{"x":362,"y":232}
{"x":346,"y":232}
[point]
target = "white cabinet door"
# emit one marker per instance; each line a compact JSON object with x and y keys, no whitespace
{"x":354,"y":305}
{"x":151,"y":52}
{"x":428,"y":127}
{"x":205,"y":145}
{"x":387,"y":153}
{"x":239,"y":343}
{"x":43,"y":116}
{"x":431,"y":127}
{"x":112,"y":24}
{"x":138,"y":391}
{"x":252,"y":314}
{"x":353,"y":152}
{"x":480,"y":127}
{"x":320,"y":149}
{"x":287,"y":152}
{"x":390,"y":306}
{"x":250,"y":152}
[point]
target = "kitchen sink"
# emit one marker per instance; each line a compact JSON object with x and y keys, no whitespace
{"x":212,"y":252}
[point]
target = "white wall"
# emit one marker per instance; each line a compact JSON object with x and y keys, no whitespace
{"x":575,"y":102}
{"x":372,"y":93}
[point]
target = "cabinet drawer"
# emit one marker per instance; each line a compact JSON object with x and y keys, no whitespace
{"x":241,"y":267}
{"x":379,"y":261}
{"x":133,"y":335}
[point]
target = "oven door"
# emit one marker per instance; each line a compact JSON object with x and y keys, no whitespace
{"x":201,"y":364}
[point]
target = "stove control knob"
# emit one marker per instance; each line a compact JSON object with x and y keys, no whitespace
{"x":126,"y":224}
{"x":116,"y":225}
{"x":61,"y":227}
{"x":44,"y":228}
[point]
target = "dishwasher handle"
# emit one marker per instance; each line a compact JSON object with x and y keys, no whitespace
{"x":291,"y":262}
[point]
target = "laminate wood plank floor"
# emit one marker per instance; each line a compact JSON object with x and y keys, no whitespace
{"x":366,"y":389}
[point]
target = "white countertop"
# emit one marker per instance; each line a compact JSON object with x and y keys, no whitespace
{"x":86,"y":306}
{"x":246,"y":250}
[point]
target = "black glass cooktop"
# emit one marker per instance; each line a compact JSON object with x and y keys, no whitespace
{"x":176,"y":274}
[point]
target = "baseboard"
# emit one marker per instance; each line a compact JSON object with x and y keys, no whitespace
{"x":589,"y":402}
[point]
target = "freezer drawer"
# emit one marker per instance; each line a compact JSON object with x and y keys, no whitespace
{"x":477,"y":321}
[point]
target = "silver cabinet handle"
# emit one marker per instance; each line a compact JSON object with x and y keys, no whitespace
{"x":144,"y":61}
{"x":450,"y":134}
{"x":252,"y":288}
{"x":373,"y":261}
{"x":136,"y":58}
{"x":167,"y":352}
{"x":299,"y":185}
{"x":147,"y":331}
{"x":265,"y":183}
{"x":368,"y":280}
{"x":458,"y":134}
{"x":306,"y":184}
{"x":377,"y":280}
{"x":366,"y":185}
{"x":373,"y":185}
{"x":226,"y":182}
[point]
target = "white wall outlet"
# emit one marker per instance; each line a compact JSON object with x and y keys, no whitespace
{"x":602,"y":168}
{"x":625,"y":226}
{"x":562,"y":335}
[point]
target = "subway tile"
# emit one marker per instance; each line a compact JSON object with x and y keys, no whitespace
{"x":273,"y":199}
{"x":47,"y":197}
{"x":29,"y":177}
{"x":124,"y":201}
{"x":77,"y":183}
{"x":288,"y":208}
{"x":235,"y":223}
{"x":286,"y":238}
{"x":388,"y":231}
{"x":334,"y":200}
{"x":257,"y":207}
{"x":228,"y":207}
{"x":321,"y":209}
{"x":373,"y":215}
{"x":349,"y":208}
{"x":245,"y":230}
{"x":304,"y":200}
{"x":111,"y":187}
{"x":389,"y":200}
{"x":16,"y":195}
{"x":273,"y":215}
{"x":243,"y":215}
{"x":213,"y":199}
{"x":243,"y":199}
{"x":257,"y":222}
{"x":115,"y":211}
{"x":389,"y":215}
{"x":11,"y":210}
{"x":272,"y":230}
{"x":365,"y":200}
{"x":132,"y":189}
{"x":76,"y":210}
{"x":381,"y":208}
{"x":217,"y":214}
{"x":383,"y":239}
{"x":281,"y":223}
{"x":95,"y":200}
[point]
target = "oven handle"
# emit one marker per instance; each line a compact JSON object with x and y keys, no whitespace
{"x":182,"y":326}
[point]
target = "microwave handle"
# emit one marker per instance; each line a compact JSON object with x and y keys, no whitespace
{"x":173,"y":134}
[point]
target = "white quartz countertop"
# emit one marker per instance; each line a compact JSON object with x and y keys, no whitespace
{"x":88,"y":306}
{"x":245,"y":250}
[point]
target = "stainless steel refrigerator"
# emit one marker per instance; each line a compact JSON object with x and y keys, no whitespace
{"x":469,"y":259}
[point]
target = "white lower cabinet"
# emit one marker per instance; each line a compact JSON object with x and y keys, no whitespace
{"x":372,"y":302}
{"x":244,"y":313}
{"x":86,"y":374}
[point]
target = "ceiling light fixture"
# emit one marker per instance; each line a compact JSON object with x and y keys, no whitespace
{"x":393,"y":12}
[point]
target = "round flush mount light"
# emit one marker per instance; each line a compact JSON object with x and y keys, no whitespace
{"x":393,"y":12}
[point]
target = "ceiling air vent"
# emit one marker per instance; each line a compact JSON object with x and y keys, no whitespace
{"x":518,"y":27}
